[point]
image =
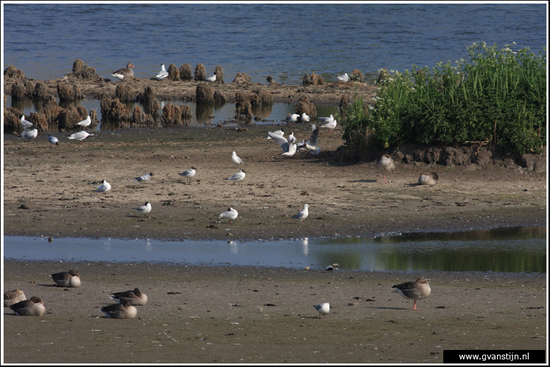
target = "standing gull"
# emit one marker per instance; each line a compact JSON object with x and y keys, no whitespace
{"x":162,"y":74}
{"x":419,"y":289}
{"x":30,"y":134}
{"x":281,"y":140}
{"x":305,"y":117}
{"x":291,"y":150}
{"x":190,"y":173}
{"x":104,"y":187}
{"x":86,"y":122}
{"x":302,"y":214}
{"x":145,"y":208}
{"x":236,"y":159}
{"x":326,"y":119}
{"x":69,"y":278}
{"x":322,"y":308}
{"x":30,"y":307}
{"x":230,"y":214}
{"x":26,"y":123}
{"x":124,"y":72}
{"x":343,"y":78}
{"x":385,"y":165}
{"x":237,"y":176}
{"x":312,"y":141}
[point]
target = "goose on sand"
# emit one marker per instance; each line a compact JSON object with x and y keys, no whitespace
{"x":415,"y":291}
{"x":135,"y":297}
{"x":124,"y":72}
{"x":31,"y":307}
{"x":13,"y":297}
{"x":69,"y":278}
{"x":122,"y":310}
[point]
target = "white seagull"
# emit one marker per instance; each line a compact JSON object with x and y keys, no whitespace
{"x":281,"y":140}
{"x":26,"y":123}
{"x":146,"y":177}
{"x":291,"y":150}
{"x":81,"y":135}
{"x":305,"y":117}
{"x":291,"y":138}
{"x":211,"y":78}
{"x":280,"y":132}
{"x":190,"y":173}
{"x":104,"y":187}
{"x":236,"y":159}
{"x":145,"y":208}
{"x":312,"y":142}
{"x":330,"y":124}
{"x":230,"y":214}
{"x":162,"y":74}
{"x":322,"y":308}
{"x":237,"y":176}
{"x":343,"y":78}
{"x":124,"y":72}
{"x":326,"y":119}
{"x":30,"y":134}
{"x":302,"y":214}
{"x":292,"y":117}
{"x":52,"y":139}
{"x":86,"y":122}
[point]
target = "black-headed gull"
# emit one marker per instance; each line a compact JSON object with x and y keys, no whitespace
{"x":230,"y":214}
{"x":144,"y":209}
{"x":385,"y":165}
{"x":428,"y":178}
{"x":26,"y":123}
{"x":302,"y":214}
{"x":237,"y":176}
{"x":70,"y":279}
{"x":190,"y":173}
{"x":322,"y":308}
{"x":146,"y":177}
{"x":81,"y":135}
{"x":86,"y":122}
{"x":31,"y":307}
{"x":330,"y":124}
{"x":12,"y":297}
{"x":135,"y":297}
{"x":162,"y":74}
{"x":343,"y":78}
{"x":312,"y":141}
{"x":29,"y":134}
{"x":211,"y":78}
{"x":122,"y":310}
{"x":52,"y":139}
{"x":291,"y":150}
{"x":236,"y":159}
{"x":293,"y":117}
{"x":280,"y":132}
{"x":291,"y":138}
{"x":104,"y":187}
{"x":416,"y":290}
{"x":281,"y":140}
{"x":326,"y":119}
{"x":305,"y":117}
{"x":124,"y":72}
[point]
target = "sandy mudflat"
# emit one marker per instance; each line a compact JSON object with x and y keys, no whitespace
{"x":266,"y":315}
{"x":257,"y":315}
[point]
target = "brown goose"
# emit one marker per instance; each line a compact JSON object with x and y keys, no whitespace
{"x":12,"y":297}
{"x":385,"y":165}
{"x":30,"y":307}
{"x":70,"y":278}
{"x":419,"y":289}
{"x":124,"y":72}
{"x":122,"y":310}
{"x":428,"y":178}
{"x":135,"y":297}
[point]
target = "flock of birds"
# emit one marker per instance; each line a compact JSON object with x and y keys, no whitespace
{"x":124,"y":308}
{"x":162,"y":74}
{"x":30,"y":134}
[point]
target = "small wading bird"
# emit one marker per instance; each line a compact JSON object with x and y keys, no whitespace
{"x":144,"y":209}
{"x":231,"y":214}
{"x":124,"y":72}
{"x":237,"y":176}
{"x":385,"y":165}
{"x":31,"y":307}
{"x":122,"y":310}
{"x":135,"y":297}
{"x":190,"y":173}
{"x":162,"y":74}
{"x":86,"y":122}
{"x":69,"y":278}
{"x":427,"y":178}
{"x":30,"y":134}
{"x":322,"y":308}
{"x":13,"y":297}
{"x":104,"y":187}
{"x":415,"y":291}
{"x":302,"y":214}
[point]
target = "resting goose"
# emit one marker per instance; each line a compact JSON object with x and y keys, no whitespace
{"x":124,"y":72}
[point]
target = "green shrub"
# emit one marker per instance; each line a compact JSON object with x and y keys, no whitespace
{"x":499,"y":97}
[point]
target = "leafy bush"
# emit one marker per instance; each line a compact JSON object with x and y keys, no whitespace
{"x":499,"y":97}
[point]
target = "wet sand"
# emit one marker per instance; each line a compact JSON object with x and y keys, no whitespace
{"x":266,"y":315}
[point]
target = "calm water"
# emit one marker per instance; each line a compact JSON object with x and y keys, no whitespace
{"x":514,"y":250}
{"x":282,"y":40}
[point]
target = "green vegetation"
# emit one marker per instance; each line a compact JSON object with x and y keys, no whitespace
{"x":499,"y":97}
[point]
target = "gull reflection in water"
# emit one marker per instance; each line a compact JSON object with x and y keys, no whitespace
{"x":148,"y":245}
{"x":233,"y":247}
{"x":305,"y":245}
{"x":107,"y":244}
